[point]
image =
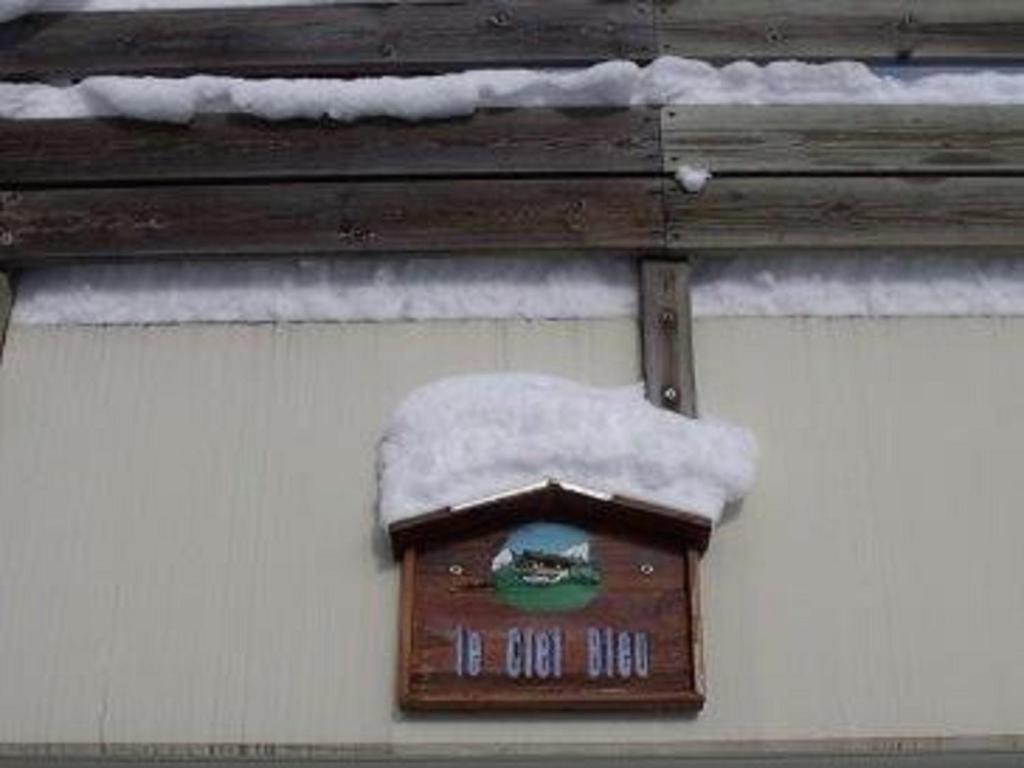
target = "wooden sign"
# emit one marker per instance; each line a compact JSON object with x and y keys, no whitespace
{"x":551,"y":599}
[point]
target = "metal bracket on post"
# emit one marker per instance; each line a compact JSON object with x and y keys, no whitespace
{"x":6,"y":301}
{"x":666,"y":336}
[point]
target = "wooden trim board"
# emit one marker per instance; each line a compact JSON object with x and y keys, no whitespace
{"x":816,"y":215}
{"x":981,"y":751}
{"x":369,"y":38}
{"x":874,"y":30}
{"x":845,"y":139}
{"x":350,"y":39}
{"x":6,"y":304}
{"x":503,"y":143}
{"x":617,"y":215}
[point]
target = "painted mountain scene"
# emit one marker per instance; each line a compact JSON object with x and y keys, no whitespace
{"x":546,"y":567}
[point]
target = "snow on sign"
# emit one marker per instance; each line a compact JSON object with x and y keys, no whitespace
{"x":551,"y":597}
{"x":577,"y":592}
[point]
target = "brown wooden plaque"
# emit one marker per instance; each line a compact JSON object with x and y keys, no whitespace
{"x":561,"y":610}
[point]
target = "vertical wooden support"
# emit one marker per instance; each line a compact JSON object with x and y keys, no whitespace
{"x":669,"y":382}
{"x":6,"y":301}
{"x":667,"y":342}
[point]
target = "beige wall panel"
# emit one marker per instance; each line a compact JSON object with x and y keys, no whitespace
{"x":188,"y":551}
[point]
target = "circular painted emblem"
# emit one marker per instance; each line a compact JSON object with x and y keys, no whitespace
{"x":546,"y":567}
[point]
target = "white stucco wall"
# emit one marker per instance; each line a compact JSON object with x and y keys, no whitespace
{"x":188,"y":551}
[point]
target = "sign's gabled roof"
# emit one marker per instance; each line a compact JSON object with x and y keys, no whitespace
{"x":552,"y":500}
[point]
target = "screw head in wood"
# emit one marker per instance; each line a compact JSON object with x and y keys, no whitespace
{"x":647,"y":569}
{"x":667,"y":319}
{"x":455,"y":569}
{"x":670,"y":394}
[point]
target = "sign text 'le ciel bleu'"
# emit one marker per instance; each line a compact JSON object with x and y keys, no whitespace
{"x":552,"y":597}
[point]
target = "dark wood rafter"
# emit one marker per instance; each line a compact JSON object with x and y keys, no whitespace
{"x":490,"y":143}
{"x":881,"y":31}
{"x":351,"y":39}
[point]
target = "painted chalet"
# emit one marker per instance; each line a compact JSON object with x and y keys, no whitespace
{"x":235,"y":237}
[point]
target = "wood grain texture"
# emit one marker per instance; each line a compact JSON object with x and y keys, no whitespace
{"x":609,"y":215}
{"x":621,"y":513}
{"x":845,"y":139}
{"x":696,"y":621}
{"x":877,"y":30}
{"x":406,"y":605}
{"x":6,"y":301}
{"x":665,"y":319}
{"x":923,"y":214}
{"x":488,"y":143}
{"x":630,"y":600}
{"x":341,"y":40}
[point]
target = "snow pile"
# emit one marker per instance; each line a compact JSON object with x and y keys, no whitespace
{"x":311,"y":290}
{"x":692,"y":179}
{"x":451,"y":288}
{"x":859,"y":286}
{"x":462,"y":439}
{"x":668,"y":80}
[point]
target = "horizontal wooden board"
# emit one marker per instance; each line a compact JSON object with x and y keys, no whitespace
{"x":845,"y":139}
{"x":881,"y":30}
{"x":597,"y":215}
{"x":494,"y":142}
{"x":848,"y":213}
{"x":343,"y":40}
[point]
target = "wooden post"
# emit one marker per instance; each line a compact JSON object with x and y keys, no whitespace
{"x":666,"y":337}
{"x":6,"y":301}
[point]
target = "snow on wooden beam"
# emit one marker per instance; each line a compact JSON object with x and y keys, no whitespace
{"x":488,"y":143}
{"x":616,"y":215}
{"x":877,"y":30}
{"x":351,"y":39}
{"x":845,"y":139}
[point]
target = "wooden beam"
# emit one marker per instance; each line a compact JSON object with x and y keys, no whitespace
{"x":6,"y":302}
{"x":876,"y":30}
{"x":667,"y":345}
{"x":615,"y":215}
{"x":845,"y":139}
{"x":489,"y":143}
{"x":854,"y":214}
{"x":350,"y":39}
